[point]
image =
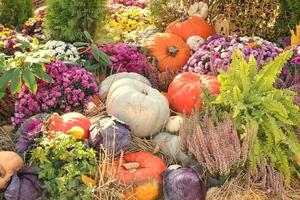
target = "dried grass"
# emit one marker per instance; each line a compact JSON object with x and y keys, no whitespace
{"x":237,"y":189}
{"x":7,"y":142}
{"x":142,"y":144}
{"x":108,"y":188}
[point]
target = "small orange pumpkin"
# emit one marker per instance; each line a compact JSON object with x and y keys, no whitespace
{"x":137,"y":167}
{"x":148,"y":190}
{"x":185,"y":28}
{"x":186,"y":90}
{"x":170,"y":51}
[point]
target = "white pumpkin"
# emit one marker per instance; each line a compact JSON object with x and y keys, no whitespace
{"x":106,"y":84}
{"x":174,"y":123}
{"x":199,"y":9}
{"x":169,"y":144}
{"x":194,"y":42}
{"x":142,"y":107}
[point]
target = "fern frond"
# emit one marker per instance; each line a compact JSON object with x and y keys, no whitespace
{"x":267,"y":76}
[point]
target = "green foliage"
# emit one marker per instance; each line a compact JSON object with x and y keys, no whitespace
{"x":102,"y":60}
{"x":66,"y":20}
{"x":270,"y":112}
{"x":289,"y":16}
{"x":23,"y":68}
{"x":62,"y":161}
{"x":15,"y":12}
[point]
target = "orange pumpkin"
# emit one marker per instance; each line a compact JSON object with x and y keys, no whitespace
{"x":170,"y":51}
{"x":148,"y":190}
{"x":71,"y":123}
{"x":186,"y":90}
{"x":185,"y":28}
{"x":137,"y":167}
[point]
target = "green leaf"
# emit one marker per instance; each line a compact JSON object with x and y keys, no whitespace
{"x":105,"y":58}
{"x":2,"y":94}
{"x":29,"y":80}
{"x":35,"y":41}
{"x":5,"y":78}
{"x":80,"y":44}
{"x":39,"y":73}
{"x":23,"y":41}
{"x":16,"y":81}
{"x":96,"y":52}
{"x":87,"y":35}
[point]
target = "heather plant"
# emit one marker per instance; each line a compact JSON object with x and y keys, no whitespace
{"x":67,"y":20}
{"x":215,"y":143}
{"x":15,"y":12}
{"x":254,"y":102}
{"x":71,"y":90}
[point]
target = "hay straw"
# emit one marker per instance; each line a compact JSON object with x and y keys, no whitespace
{"x":142,"y":144}
{"x":108,"y":188}
{"x":7,"y":142}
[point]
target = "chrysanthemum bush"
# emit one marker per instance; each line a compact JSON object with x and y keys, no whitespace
{"x":137,"y":3}
{"x":124,"y":23}
{"x":215,"y":53}
{"x":123,"y":57}
{"x":72,"y":90}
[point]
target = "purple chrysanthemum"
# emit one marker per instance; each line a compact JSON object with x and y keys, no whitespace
{"x":72,"y":89}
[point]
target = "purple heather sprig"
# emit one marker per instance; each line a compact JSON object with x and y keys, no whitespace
{"x":73,"y":89}
{"x":215,"y":53}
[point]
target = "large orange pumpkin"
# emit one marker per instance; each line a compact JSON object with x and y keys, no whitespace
{"x":170,"y":51}
{"x":186,"y":90}
{"x":137,"y":167}
{"x":185,"y":28}
{"x":71,"y":123}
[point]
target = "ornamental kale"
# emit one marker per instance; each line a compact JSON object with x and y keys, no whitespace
{"x":72,"y":89}
{"x":256,"y":104}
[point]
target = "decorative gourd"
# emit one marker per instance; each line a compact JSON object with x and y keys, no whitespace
{"x":106,"y":84}
{"x":185,"y":28}
{"x":148,"y":190}
{"x":186,"y":90}
{"x":222,"y":26}
{"x":10,"y":162}
{"x":194,"y":42}
{"x":169,"y":145}
{"x":71,"y":123}
{"x":182,"y":184}
{"x":137,"y":167}
{"x":174,"y":123}
{"x":140,"y":106}
{"x":199,"y":9}
{"x":169,"y":50}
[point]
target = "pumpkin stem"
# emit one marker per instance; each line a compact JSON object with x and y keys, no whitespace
{"x":172,"y":51}
{"x":145,"y":92}
{"x":131,"y":165}
{"x":2,"y":171}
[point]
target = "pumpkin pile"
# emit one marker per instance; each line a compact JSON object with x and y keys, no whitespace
{"x":176,"y":111}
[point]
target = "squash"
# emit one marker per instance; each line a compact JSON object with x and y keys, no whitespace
{"x":147,"y":190}
{"x":137,"y":167}
{"x":194,"y":42}
{"x":10,"y":162}
{"x":106,"y":84}
{"x":185,"y":28}
{"x":174,"y":123}
{"x":169,"y":50}
{"x":169,"y":145}
{"x":186,"y":90}
{"x":71,"y":123}
{"x":199,"y":9}
{"x":144,"y":109}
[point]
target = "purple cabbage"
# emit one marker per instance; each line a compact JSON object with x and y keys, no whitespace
{"x":113,"y":134}
{"x":182,"y":184}
{"x":29,"y":130}
{"x":24,"y":185}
